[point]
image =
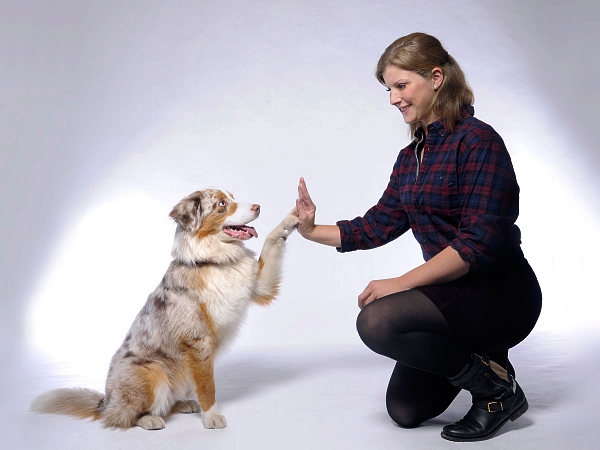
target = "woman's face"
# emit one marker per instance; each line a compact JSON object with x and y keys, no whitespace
{"x":412,"y":94}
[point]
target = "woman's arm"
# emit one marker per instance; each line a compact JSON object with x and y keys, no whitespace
{"x":444,"y":267}
{"x":322,"y":234}
{"x":489,"y":207}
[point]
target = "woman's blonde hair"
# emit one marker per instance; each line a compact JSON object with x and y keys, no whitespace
{"x":420,"y":53}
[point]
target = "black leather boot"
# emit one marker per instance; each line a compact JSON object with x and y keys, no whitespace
{"x":495,"y":401}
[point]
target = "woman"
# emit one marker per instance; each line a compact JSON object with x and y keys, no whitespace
{"x":450,"y":322}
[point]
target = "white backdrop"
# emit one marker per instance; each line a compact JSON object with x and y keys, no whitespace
{"x":113,"y":111}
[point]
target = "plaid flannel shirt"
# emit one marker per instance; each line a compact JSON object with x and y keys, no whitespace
{"x":463,"y":194}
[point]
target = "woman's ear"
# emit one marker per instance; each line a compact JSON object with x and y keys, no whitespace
{"x":437,"y":77}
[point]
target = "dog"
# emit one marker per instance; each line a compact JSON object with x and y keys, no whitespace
{"x":197,"y":308}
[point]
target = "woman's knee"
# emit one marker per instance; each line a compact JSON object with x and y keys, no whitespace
{"x":403,"y":415}
{"x":370,"y":326}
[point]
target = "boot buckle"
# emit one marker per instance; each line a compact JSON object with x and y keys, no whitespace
{"x":494,"y":409}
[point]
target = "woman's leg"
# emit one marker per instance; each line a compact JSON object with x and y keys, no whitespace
{"x":409,"y":328}
{"x":414,"y":396}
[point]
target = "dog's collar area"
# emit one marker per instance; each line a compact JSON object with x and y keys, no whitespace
{"x":195,"y":263}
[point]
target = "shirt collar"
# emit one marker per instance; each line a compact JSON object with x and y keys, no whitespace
{"x":439,"y":125}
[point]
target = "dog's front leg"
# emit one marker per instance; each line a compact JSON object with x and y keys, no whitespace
{"x":270,"y":260}
{"x":200,"y":354}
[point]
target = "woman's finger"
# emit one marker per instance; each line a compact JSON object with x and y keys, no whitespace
{"x":363,"y":297}
{"x":371,"y":298}
{"x":301,"y":210}
{"x":305,"y":196}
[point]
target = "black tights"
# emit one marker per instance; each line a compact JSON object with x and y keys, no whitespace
{"x":410,"y":329}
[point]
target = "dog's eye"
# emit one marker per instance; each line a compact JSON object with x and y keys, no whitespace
{"x":222,"y":203}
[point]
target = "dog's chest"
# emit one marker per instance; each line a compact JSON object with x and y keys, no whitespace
{"x":228,"y":290}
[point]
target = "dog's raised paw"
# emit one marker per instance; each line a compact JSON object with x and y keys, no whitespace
{"x":290,"y":223}
{"x":151,"y":423}
{"x":285,"y":228}
{"x":292,"y":220}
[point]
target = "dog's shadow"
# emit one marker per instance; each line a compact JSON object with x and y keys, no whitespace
{"x":247,"y":375}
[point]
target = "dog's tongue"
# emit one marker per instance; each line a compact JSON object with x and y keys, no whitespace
{"x":251,"y":231}
{"x":241,"y":232}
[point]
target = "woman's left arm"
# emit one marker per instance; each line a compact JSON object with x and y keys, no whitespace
{"x":444,"y":267}
{"x":489,"y":195}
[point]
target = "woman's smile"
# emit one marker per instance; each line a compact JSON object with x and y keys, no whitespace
{"x":412,"y":94}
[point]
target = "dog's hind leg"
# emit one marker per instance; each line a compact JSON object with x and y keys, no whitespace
{"x":139,"y":396}
{"x":151,"y":422}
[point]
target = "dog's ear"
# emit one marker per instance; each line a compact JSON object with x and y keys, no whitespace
{"x":187,"y":212}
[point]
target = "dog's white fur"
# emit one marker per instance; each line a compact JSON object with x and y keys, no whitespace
{"x":168,"y":354}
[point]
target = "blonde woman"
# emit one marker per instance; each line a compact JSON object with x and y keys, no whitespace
{"x":449,"y":322}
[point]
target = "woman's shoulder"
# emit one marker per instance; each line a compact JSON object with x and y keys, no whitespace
{"x":474,"y":133}
{"x":474,"y":128}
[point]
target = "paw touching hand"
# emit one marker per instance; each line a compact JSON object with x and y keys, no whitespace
{"x":286,"y":227}
{"x":291,"y":221}
{"x":306,"y":210}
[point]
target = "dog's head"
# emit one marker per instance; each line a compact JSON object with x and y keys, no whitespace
{"x":212,"y":212}
{"x":207,"y":218}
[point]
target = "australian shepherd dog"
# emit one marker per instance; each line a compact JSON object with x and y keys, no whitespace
{"x":167,"y":357}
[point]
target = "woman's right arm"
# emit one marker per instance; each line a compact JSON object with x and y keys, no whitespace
{"x":322,"y":234}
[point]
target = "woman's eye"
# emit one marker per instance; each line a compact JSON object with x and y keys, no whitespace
{"x":400,"y":86}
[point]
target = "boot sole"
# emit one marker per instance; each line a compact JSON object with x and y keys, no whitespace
{"x":514,"y":416}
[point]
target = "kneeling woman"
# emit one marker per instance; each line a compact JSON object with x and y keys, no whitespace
{"x":450,"y":322}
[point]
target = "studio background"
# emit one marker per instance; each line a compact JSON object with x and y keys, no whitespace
{"x":113,"y":111}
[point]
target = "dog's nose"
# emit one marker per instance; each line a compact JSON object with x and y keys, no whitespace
{"x":255,"y":208}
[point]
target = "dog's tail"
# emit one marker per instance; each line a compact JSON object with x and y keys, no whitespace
{"x":77,"y":402}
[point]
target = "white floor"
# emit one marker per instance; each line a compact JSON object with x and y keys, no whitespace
{"x":321,"y":399}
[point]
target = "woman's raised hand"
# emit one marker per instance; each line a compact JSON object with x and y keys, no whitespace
{"x":306,"y":210}
{"x":322,"y":234}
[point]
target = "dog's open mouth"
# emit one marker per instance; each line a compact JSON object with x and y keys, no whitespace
{"x":242,"y":232}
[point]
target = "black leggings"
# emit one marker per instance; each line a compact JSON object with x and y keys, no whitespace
{"x":489,"y":311}
{"x":410,"y":329}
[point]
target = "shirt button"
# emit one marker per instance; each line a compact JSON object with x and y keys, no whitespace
{"x":424,"y":241}
{"x":416,"y":210}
